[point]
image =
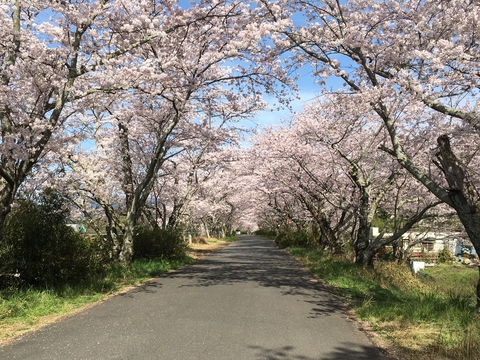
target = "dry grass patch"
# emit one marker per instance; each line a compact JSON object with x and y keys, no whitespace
{"x":205,"y":246}
{"x":406,"y":339}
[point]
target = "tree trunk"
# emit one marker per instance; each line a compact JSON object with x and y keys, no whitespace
{"x":3,"y":216}
{"x":329,"y":234}
{"x":127,"y":166}
{"x":329,"y":237}
{"x":363,"y":252}
{"x":175,"y":215}
{"x":462,"y":195}
{"x":126,"y":253}
{"x":478,"y":293}
{"x":207,"y":231}
{"x":365,"y":257}
{"x":362,"y":248}
{"x":470,"y":219}
{"x":164,"y":216}
{"x":114,"y":242}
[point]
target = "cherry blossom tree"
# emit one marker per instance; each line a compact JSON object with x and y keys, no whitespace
{"x":404,"y":57}
{"x":53,"y":56}
{"x":283,"y":163}
{"x":205,"y":150}
{"x":196,"y":80}
{"x":115,"y":169}
{"x":326,"y":161}
{"x":131,"y":73}
{"x":355,"y":141}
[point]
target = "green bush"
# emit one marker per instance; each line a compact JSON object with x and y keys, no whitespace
{"x":268,"y":233}
{"x":444,"y":256}
{"x":42,"y":249}
{"x":159,"y":244}
{"x":295,"y":238}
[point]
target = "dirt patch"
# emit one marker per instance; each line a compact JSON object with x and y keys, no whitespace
{"x":198,"y":251}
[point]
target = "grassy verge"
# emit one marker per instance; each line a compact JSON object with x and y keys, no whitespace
{"x":230,"y":238}
{"x":428,"y":316}
{"x":25,"y":309}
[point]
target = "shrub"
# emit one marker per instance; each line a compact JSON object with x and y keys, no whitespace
{"x":269,"y":233}
{"x":159,"y":244}
{"x":444,"y":256}
{"x":395,"y":275}
{"x":42,"y":249}
{"x":295,"y":238}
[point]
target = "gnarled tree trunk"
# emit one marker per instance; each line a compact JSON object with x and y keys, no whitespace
{"x":462,"y":195}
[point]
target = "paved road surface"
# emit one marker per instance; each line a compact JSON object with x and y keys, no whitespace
{"x":248,"y":301}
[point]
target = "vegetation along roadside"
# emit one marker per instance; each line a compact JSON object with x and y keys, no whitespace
{"x":428,"y":316}
{"x":24,"y":309}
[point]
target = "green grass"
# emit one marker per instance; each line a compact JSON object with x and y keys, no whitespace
{"x":431,"y":315}
{"x":231,"y":238}
{"x":21,"y":309}
{"x":447,"y":278}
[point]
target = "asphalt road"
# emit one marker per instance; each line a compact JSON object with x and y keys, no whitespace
{"x":248,"y":301}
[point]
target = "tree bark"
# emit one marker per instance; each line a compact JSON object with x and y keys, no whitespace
{"x":366,"y":256}
{"x":205,"y":226}
{"x":126,"y":253}
{"x":462,"y":195}
{"x":478,"y":293}
{"x":363,"y":253}
{"x":329,"y":237}
{"x":127,"y":165}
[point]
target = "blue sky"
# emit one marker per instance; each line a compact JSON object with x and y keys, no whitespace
{"x":307,"y":90}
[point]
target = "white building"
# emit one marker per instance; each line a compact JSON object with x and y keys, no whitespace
{"x":431,"y":242}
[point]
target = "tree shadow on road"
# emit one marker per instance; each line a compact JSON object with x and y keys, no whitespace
{"x":284,"y":352}
{"x":346,"y":352}
{"x":354,"y":352}
{"x":267,"y":266}
{"x":259,"y":262}
{"x":149,"y":287}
